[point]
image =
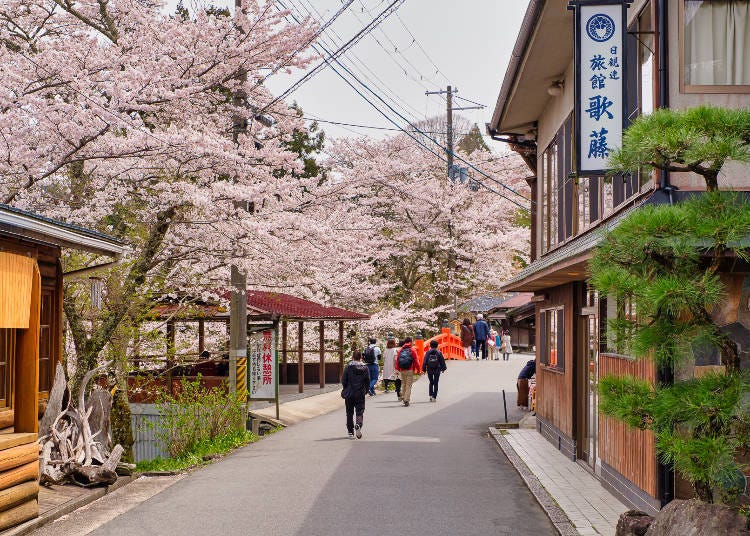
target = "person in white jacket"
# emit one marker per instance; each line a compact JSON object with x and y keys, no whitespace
{"x":505,"y":346}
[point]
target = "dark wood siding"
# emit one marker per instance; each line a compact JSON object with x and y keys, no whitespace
{"x":631,"y":452}
{"x":554,"y":399}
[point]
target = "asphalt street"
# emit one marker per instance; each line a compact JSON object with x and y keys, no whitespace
{"x":426,"y":469}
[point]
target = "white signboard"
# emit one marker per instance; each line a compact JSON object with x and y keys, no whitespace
{"x":600,"y":96}
{"x":261,"y":376}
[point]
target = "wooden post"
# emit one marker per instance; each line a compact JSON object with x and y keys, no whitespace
{"x":26,"y":414}
{"x":284,"y":352}
{"x":341,"y":348}
{"x":321,"y":328}
{"x":201,"y":336}
{"x":301,"y":356}
{"x":171,"y":344}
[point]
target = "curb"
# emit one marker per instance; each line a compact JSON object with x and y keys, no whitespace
{"x":66,"y":508}
{"x":557,"y":516}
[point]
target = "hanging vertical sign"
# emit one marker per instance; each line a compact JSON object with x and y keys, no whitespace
{"x":263,"y":369}
{"x":600,"y":87}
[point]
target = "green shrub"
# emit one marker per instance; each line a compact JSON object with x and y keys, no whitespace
{"x":200,"y":453}
{"x":196,"y":414}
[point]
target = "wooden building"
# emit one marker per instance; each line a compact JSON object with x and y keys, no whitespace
{"x":274,"y":309}
{"x":516,"y":315}
{"x":535,"y":114}
{"x":31,"y":282}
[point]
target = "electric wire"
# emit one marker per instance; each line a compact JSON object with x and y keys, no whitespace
{"x":354,"y":60}
{"x":390,"y":9}
{"x":387,"y":117}
{"x":397,"y":51}
{"x":426,"y":55}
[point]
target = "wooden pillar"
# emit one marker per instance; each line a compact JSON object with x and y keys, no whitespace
{"x":322,"y":329}
{"x":26,"y":390}
{"x":301,"y":356}
{"x":284,"y":352}
{"x":201,"y":336}
{"x":58,"y":322}
{"x":341,"y":348}
{"x":171,"y":344}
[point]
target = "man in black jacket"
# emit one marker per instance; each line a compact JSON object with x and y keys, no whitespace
{"x":434,"y":365}
{"x":356,"y":382}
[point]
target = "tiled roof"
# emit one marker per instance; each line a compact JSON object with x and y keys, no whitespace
{"x":481,"y":304}
{"x":29,"y":226}
{"x":285,"y":305}
{"x":578,"y":246}
{"x":522,"y":298}
{"x":57,"y":223}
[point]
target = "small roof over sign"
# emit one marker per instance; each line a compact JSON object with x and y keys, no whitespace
{"x":262,"y":304}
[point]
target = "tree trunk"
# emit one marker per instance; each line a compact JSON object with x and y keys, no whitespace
{"x":88,"y":355}
{"x":122,"y":430}
{"x":703,"y":490}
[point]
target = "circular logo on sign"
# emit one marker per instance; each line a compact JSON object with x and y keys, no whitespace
{"x":600,"y":27}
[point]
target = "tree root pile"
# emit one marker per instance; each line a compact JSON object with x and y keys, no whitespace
{"x":74,"y":440}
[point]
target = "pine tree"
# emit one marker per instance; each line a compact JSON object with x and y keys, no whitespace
{"x":667,"y":259}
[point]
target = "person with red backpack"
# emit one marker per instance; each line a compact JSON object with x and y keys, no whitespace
{"x":407,"y":364}
{"x":434,"y":365}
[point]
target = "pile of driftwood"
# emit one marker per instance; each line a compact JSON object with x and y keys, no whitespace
{"x":74,"y":439}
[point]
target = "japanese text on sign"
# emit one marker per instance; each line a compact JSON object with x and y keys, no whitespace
{"x":262,"y":376}
{"x":600,"y":97}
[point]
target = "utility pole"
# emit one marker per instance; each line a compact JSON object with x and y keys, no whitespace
{"x":238,"y":279}
{"x":449,"y":127}
{"x":449,"y":109}
{"x":449,"y":149}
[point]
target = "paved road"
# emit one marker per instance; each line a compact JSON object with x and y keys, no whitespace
{"x":426,"y":469}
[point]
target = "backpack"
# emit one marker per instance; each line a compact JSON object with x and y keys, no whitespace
{"x":405,"y":359}
{"x":369,"y":355}
{"x":431,"y":360}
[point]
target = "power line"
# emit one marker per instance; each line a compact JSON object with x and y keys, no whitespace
{"x":397,"y":51}
{"x":354,"y":59}
{"x":387,"y":12}
{"x":340,"y":123}
{"x":410,"y":124}
{"x":437,"y":69}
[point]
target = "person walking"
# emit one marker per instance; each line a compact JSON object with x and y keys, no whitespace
{"x":493,"y":347}
{"x":371,"y":355}
{"x":434,"y":365}
{"x":407,"y":364}
{"x":467,"y":337}
{"x":390,"y":374}
{"x":481,"y":332}
{"x":505,"y":346}
{"x":355,"y":382}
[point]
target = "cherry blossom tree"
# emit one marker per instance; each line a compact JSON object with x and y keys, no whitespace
{"x":124,"y":118}
{"x":436,"y":241}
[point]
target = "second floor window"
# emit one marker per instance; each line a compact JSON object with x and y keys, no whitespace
{"x":715,"y":44}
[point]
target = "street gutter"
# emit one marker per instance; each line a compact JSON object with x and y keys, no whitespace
{"x":556,"y":515}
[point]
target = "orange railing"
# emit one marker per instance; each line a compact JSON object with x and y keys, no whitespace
{"x":448,"y":344}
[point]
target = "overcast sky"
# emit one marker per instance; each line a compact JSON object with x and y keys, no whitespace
{"x":425,"y":45}
{"x":466,"y":44}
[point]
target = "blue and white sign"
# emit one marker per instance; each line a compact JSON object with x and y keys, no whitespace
{"x":600,"y":96}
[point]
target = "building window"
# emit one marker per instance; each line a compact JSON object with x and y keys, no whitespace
{"x":618,"y":317}
{"x":557,"y":190}
{"x":641,"y":44}
{"x":715,"y":45}
{"x":7,"y":354}
{"x":46,"y":370}
{"x":552,"y":335}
